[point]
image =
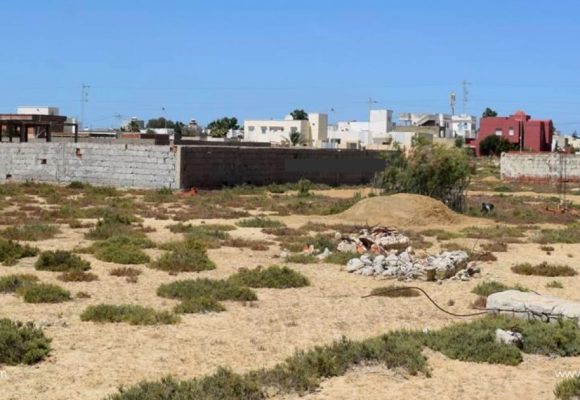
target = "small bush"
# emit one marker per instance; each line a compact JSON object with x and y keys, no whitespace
{"x":210,"y":235}
{"x":570,"y":235}
{"x":547,"y":249}
{"x":302,"y":258}
{"x":22,"y":343}
{"x":199,"y":305}
{"x":544,"y":269}
{"x":11,"y":283}
{"x":395,"y":291}
{"x":132,"y":314}
{"x":125,"y":271}
{"x":495,"y":247}
{"x":484,"y":289}
{"x":164,"y":195}
{"x":122,"y":250}
{"x":568,"y":389}
{"x":256,"y":245}
{"x":110,"y":226}
{"x":272,"y":277}
{"x":304,"y":186}
{"x":260,"y":222}
{"x":555,"y":285}
{"x":11,"y":252}
{"x":441,"y":234}
{"x":218,"y":290}
{"x":30,"y":232}
{"x":190,"y":256}
{"x":506,"y":234}
{"x":77,"y":185}
{"x":61,"y":261}
{"x":77,"y":276}
{"x":83,"y":295}
{"x":44,"y":293}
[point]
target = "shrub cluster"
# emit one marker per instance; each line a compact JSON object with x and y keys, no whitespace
{"x":122,"y":249}
{"x":260,"y":222}
{"x":30,"y":232}
{"x":11,"y":283}
{"x":132,"y":314}
{"x":187,"y":256}
{"x":61,"y":261}
{"x":44,"y":293}
{"x":11,"y":252}
{"x":272,"y":277}
{"x":544,"y":269}
{"x":22,"y":343}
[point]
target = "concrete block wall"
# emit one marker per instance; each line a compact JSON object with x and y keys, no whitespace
{"x":540,"y":167}
{"x":214,"y":167}
{"x":125,"y":165}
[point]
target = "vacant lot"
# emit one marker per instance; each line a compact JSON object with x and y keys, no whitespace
{"x":200,"y":269}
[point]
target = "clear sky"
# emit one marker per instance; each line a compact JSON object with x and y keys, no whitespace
{"x":206,"y":59}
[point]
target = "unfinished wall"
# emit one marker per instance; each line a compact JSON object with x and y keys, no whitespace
{"x":540,"y":167}
{"x":104,"y":164}
{"x":207,"y":166}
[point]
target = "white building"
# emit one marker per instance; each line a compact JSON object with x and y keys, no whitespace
{"x":37,"y":110}
{"x":464,"y":125}
{"x":314,"y":130}
{"x":442,"y":121}
{"x":356,"y":134}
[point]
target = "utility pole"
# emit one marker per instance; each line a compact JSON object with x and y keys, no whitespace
{"x":84,"y":99}
{"x":452,"y":100}
{"x":465,"y":87}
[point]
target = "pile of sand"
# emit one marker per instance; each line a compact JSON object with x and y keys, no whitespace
{"x":404,"y":210}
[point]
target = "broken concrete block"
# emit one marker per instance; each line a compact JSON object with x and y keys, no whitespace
{"x":530,"y":305}
{"x":509,"y":337}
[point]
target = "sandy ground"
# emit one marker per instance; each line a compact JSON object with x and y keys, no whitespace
{"x":90,"y":361}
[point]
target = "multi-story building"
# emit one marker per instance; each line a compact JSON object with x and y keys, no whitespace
{"x":357,"y":134}
{"x":442,"y":122}
{"x":464,"y":125}
{"x":520,"y":129}
{"x":313,"y":131}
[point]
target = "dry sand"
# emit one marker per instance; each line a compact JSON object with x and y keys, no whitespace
{"x":90,"y":361}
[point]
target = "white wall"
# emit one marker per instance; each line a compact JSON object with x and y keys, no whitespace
{"x":464,"y":125}
{"x":272,"y":131}
{"x":37,"y":110}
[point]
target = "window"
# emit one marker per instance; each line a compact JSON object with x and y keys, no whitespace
{"x":264,"y":129}
{"x":511,"y":131}
{"x":251,"y":128}
{"x":293,"y":130}
{"x":498,"y":132}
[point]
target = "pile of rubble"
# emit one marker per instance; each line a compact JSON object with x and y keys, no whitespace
{"x":404,"y":266}
{"x":378,"y":240}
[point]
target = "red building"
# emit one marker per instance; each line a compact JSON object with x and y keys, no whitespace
{"x":520,"y":129}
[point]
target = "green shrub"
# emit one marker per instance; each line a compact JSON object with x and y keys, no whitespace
{"x":77,"y":185}
{"x":544,"y":269}
{"x":260,"y":222}
{"x":111,"y":225}
{"x":570,"y":235}
{"x":218,"y":290}
{"x":568,"y":389}
{"x":302,"y":258}
{"x":11,"y":283}
{"x":77,"y":276}
{"x":256,"y":245}
{"x":395,"y":291}
{"x":164,"y":195}
{"x":122,"y":249}
{"x":189,"y":256}
{"x":486,"y":288}
{"x":199,"y":305}
{"x":555,"y":285}
{"x":340,"y":258}
{"x":271,"y":277}
{"x":496,"y":247}
{"x":125,"y":271}
{"x":11,"y":252}
{"x":501,"y":233}
{"x":22,"y":343}
{"x":61,"y":261}
{"x":441,"y":234}
{"x":129,"y":313}
{"x":30,"y":232}
{"x":44,"y":293}
{"x":304,"y":186}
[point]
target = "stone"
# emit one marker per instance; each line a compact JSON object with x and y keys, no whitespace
{"x":324,"y":254}
{"x":378,"y":269}
{"x":367,"y":271}
{"x":354,"y":264}
{"x":366,"y":260}
{"x":346,"y":247}
{"x":526,"y":305}
{"x":509,"y":337}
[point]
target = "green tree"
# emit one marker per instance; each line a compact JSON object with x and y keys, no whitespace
{"x":160,"y":123}
{"x":221,"y":127}
{"x":430,"y":170}
{"x":133,"y":126}
{"x":494,"y":145}
{"x":296,"y":139}
{"x":299,"y":115}
{"x":459,"y":141}
{"x":488,"y":112}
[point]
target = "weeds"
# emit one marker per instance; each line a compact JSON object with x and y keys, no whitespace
{"x":44,"y":293}
{"x":495,"y":247}
{"x":218,"y":290}
{"x":11,"y":283}
{"x":199,"y":305}
{"x":340,"y":258}
{"x":30,"y":232}
{"x":570,"y":235}
{"x":302,"y":258}
{"x":61,"y":261}
{"x":506,"y":234}
{"x":272,"y":277}
{"x":256,"y":245}
{"x":395,"y":291}
{"x":125,"y":271}
{"x":441,"y":234}
{"x":131,"y":314}
{"x":544,"y":269}
{"x":77,"y":276}
{"x":122,"y":249}
{"x":568,"y":389}
{"x":22,"y":343}
{"x":260,"y":222}
{"x":189,"y":256}
{"x":555,"y":285}
{"x":210,"y":235}
{"x":11,"y":252}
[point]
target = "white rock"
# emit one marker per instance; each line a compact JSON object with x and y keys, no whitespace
{"x":367,"y":271}
{"x":354,"y":264}
{"x":508,"y":337}
{"x":324,"y":254}
{"x":366,"y":259}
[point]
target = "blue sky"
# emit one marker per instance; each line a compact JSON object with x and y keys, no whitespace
{"x":264,"y":58}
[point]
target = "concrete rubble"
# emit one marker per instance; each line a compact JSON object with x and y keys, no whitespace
{"x":530,"y":305}
{"x":509,"y":337}
{"x":377,"y":240}
{"x":405,"y":266}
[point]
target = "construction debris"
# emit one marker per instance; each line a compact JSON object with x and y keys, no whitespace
{"x":509,"y":337}
{"x":377,"y":240}
{"x":404,"y":266}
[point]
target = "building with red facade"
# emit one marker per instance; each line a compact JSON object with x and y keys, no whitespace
{"x":520,"y":129}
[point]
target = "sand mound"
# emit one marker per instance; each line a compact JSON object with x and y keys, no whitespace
{"x":404,"y":210}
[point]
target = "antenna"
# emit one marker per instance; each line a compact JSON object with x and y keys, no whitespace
{"x":84,"y":99}
{"x":452,"y":101}
{"x":465,"y":85}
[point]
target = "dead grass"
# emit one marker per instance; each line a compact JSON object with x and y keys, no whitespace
{"x":544,"y":269}
{"x":395,"y":291}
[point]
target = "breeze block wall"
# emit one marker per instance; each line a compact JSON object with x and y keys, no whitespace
{"x":540,"y":167}
{"x":217,"y":166}
{"x":123,"y":165}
